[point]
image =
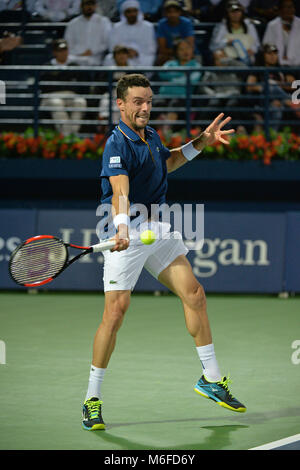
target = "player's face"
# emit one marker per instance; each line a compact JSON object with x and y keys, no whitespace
{"x":135,"y":109}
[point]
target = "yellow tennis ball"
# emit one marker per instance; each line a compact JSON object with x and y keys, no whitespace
{"x":148,"y":237}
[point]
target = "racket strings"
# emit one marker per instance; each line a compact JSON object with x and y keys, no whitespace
{"x":38,"y":260}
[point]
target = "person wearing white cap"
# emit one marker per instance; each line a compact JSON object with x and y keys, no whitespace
{"x":137,"y":34}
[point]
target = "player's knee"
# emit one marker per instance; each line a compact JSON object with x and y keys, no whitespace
{"x":115,"y":320}
{"x":195,"y":298}
{"x":114,"y":314}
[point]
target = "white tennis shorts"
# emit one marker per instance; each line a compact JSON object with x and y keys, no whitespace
{"x":123,"y":268}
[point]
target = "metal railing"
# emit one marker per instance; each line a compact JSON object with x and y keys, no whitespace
{"x":26,"y":91}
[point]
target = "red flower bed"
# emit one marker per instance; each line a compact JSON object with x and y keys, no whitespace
{"x":49,"y":144}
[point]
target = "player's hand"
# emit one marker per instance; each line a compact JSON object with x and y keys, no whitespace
{"x":122,"y":242}
{"x":214,"y":133}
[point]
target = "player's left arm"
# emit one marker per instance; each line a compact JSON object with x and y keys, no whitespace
{"x":213,"y":133}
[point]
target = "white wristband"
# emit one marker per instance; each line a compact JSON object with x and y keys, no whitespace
{"x":189,"y":151}
{"x":121,"y":219}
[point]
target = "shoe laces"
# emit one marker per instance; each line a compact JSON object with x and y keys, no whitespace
{"x":93,"y":407}
{"x":224,"y":383}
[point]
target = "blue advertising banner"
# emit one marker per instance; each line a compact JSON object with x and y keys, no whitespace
{"x":15,"y":226}
{"x":242,"y":252}
{"x":292,"y":267}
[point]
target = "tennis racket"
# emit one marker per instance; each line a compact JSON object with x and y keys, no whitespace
{"x":39,"y":260}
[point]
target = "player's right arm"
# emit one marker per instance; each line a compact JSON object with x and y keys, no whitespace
{"x":120,"y":205}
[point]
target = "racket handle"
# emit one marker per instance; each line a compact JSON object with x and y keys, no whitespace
{"x":102,"y":246}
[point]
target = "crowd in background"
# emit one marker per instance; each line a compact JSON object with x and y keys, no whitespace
{"x":157,"y":32}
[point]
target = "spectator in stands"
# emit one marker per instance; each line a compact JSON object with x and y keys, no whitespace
{"x":223,"y":90}
{"x":150,"y":9}
{"x":61,"y":55}
{"x":137,"y":34}
{"x":184,"y":57}
{"x":120,"y":58}
{"x":279,"y":87}
{"x":62,"y":97}
{"x":218,"y":9}
{"x":171,"y":29}
{"x":8,"y":42}
{"x":57,"y":10}
{"x":176,"y":92}
{"x":284,"y":32}
{"x":88,"y":34}
{"x":264,"y":10}
{"x":236,"y":37}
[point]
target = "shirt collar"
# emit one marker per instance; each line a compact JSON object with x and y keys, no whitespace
{"x":129,"y":133}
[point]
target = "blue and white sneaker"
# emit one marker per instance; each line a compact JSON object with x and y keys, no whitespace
{"x":219,"y":392}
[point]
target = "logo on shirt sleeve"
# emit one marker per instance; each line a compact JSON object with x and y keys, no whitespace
{"x":115,"y":162}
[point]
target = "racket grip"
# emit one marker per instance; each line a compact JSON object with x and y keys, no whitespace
{"x":102,"y":246}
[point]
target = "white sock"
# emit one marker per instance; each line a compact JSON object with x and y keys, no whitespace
{"x":95,"y":381}
{"x":209,"y":362}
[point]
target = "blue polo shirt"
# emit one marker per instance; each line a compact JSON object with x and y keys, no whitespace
{"x":183,"y":30}
{"x":143,"y":161}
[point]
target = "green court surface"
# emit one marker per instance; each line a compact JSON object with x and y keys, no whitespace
{"x":149,"y":402}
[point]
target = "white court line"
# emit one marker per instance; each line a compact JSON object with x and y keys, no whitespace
{"x":281,"y":442}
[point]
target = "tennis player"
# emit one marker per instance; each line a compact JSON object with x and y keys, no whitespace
{"x":135,"y":168}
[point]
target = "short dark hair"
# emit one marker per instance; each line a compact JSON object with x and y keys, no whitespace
{"x":131,"y":80}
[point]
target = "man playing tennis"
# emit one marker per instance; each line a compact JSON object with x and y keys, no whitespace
{"x":134,"y":170}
